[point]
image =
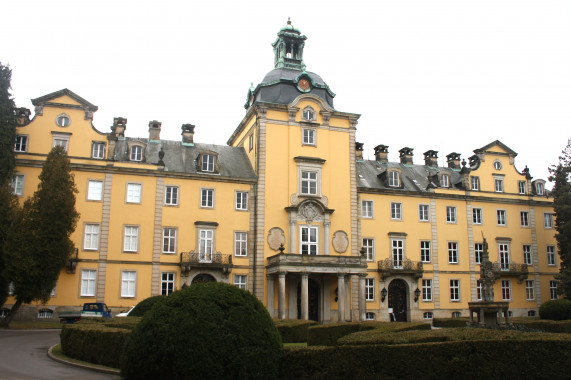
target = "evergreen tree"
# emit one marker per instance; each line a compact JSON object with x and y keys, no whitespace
{"x":561,"y":176}
{"x":39,"y":244}
{"x":7,"y":164}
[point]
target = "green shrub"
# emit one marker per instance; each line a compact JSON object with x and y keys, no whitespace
{"x":556,"y":310}
{"x":450,"y":322}
{"x":547,"y":325}
{"x":293,"y":330}
{"x":204,"y":331}
{"x":144,"y":306}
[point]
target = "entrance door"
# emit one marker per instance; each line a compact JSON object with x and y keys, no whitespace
{"x":312,"y":300}
{"x":398,"y":299}
{"x":203,"y":277}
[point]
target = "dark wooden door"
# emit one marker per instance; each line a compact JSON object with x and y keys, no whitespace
{"x":398,"y":300}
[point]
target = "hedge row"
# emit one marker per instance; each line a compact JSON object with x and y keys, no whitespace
{"x":459,"y":359}
{"x":94,"y":343}
{"x":547,"y":325}
{"x":293,"y":330}
{"x":450,"y":322}
{"x":327,"y":335}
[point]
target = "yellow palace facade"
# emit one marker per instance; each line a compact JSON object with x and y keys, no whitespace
{"x":290,"y":211}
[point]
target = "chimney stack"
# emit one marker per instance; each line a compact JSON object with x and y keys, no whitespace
{"x":119,"y":126}
{"x":453,"y":160}
{"x":359,"y":150}
{"x":155,"y":130}
{"x":431,"y":158}
{"x":382,"y":153}
{"x":187,"y":134}
{"x":406,"y":155}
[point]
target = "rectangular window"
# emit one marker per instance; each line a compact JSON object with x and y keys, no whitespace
{"x":369,"y":316}
{"x":367,"y":209}
{"x":478,"y":252}
{"x":425,"y":251}
{"x":240,"y":243}
{"x":98,"y":150}
{"x":396,"y":211}
{"x":62,"y":141}
{"x":134,"y":192}
{"x":524,"y":218}
{"x":550,"y":255}
{"x":499,"y":185}
{"x":94,"y":190}
{"x":423,"y":214}
{"x":308,"y":136}
{"x":207,"y":198}
{"x":479,"y":290}
{"x":167,"y":283}
{"x":397,"y":252}
{"x":207,"y":163}
{"x":445,"y":179}
{"x":17,"y":184}
{"x":309,"y":183}
{"x":131,"y":239}
{"x":169,"y":240}
{"x":504,"y":253}
{"x":552,"y":289}
{"x":506,"y":290}
{"x":453,"y":252}
{"x":426,"y":290}
{"x":205,"y":242}
{"x":529,"y":290}
{"x":88,"y":283}
{"x":171,"y":195}
{"x":241,"y":200}
{"x":527,"y":254}
{"x":522,"y":185}
{"x":369,"y":289}
{"x":539,"y":188}
{"x":136,"y":153}
{"x":21,"y":144}
{"x":394,"y":179}
{"x":309,"y":243}
{"x":91,"y":237}
{"x":502,"y":218}
{"x":455,"y":290}
{"x":475,"y":183}
{"x":477,"y":215}
{"x":369,"y":246}
{"x":450,"y":214}
{"x":548,"y":220}
{"x":128,"y":283}
{"x":240,"y":281}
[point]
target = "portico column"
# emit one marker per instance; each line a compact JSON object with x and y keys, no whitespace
{"x":362,"y":303}
{"x":341,"y":296}
{"x":304,"y":296}
{"x":270,"y":304}
{"x":281,"y":295}
{"x":326,"y":226}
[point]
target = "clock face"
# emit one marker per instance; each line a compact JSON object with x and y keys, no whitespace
{"x":303,"y":84}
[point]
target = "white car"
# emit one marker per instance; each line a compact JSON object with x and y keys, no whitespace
{"x":125,"y":313}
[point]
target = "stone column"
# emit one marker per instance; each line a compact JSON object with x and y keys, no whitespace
{"x":341,"y":296}
{"x":270,"y":303}
{"x":281,"y":295}
{"x":292,"y":234}
{"x":326,"y":226}
{"x":362,"y":302}
{"x":304,"y":296}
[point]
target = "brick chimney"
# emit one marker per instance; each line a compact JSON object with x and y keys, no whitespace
{"x":453,"y":160}
{"x":406,"y":155}
{"x":382,"y":153}
{"x":359,"y":150}
{"x":187,"y":134}
{"x":119,"y":126}
{"x":155,"y":130}
{"x":431,"y":158}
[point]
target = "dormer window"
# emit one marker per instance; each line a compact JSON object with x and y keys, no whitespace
{"x":136,"y":153}
{"x":207,"y":162}
{"x":539,"y":188}
{"x":308,"y":114}
{"x":394,"y":179}
{"x":445,"y":180}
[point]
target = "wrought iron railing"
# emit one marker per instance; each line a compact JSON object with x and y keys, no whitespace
{"x":202,"y":259}
{"x":390,"y":266}
{"x":511,"y":269}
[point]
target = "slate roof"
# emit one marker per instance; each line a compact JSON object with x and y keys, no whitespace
{"x":232,"y":161}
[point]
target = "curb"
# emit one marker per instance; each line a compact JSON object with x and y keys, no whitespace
{"x":84,"y":366}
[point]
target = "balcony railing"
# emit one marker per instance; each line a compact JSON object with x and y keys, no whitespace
{"x":511,"y":269}
{"x":390,"y":267}
{"x":189,"y":260}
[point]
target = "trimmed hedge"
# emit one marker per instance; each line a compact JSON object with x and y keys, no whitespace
{"x":144,"y":306}
{"x":508,"y":359}
{"x":547,"y":325}
{"x":293,"y":330}
{"x":450,"y":322}
{"x":327,"y":335}
{"x":557,"y":310}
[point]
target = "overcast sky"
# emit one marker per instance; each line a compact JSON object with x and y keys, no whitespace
{"x":447,"y":75}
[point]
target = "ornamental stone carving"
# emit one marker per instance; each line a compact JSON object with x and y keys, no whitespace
{"x":276,"y":237}
{"x":340,"y":241}
{"x":309,"y":211}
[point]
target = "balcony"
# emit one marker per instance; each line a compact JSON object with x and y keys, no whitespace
{"x":510,"y":269}
{"x":191,"y":260}
{"x":389,"y":267}
{"x":294,"y":262}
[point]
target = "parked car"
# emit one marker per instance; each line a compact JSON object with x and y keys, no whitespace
{"x":91,"y":309}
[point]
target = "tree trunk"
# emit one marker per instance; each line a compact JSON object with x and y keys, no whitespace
{"x":5,"y":323}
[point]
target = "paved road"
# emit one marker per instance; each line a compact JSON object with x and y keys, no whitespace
{"x":23,"y":355}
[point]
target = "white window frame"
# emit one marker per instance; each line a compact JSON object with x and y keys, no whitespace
{"x":136,"y":153}
{"x":94,"y":190}
{"x":171,"y":195}
{"x":499,"y":185}
{"x":539,"y":188}
{"x":502,"y":217}
{"x":60,"y":140}
{"x":17,"y":184}
{"x":169,"y":240}
{"x":208,"y":162}
{"x":45,"y":313}
{"x":479,"y":290}
{"x":506,"y":289}
{"x":309,"y":182}
{"x":241,"y":203}
{"x":475,"y":183}
{"x":428,"y":315}
{"x":445,"y":180}
{"x":91,"y":237}
{"x":547,"y":220}
{"x":369,"y":246}
{"x":478,"y":252}
{"x":308,"y":114}
{"x":451,"y":214}
{"x":425,"y":251}
{"x":370,"y":316}
{"x":454,"y":290}
{"x":453,"y":252}
{"x":553,"y":290}
{"x":423,"y":212}
{"x":529,"y":290}
{"x":21,"y":144}
{"x":394,"y":178}
{"x":477,"y":215}
{"x":241,"y":281}
{"x":369,"y":289}
{"x":309,"y":241}
{"x":497,"y":165}
{"x":396,"y":211}
{"x":527,"y":258}
{"x":98,"y":150}
{"x":309,"y":136}
{"x":167,"y":283}
{"x":130,"y":238}
{"x":205,"y":245}
{"x":206,"y":197}
{"x":524,"y":218}
{"x":504,"y":256}
{"x":63,"y":120}
{"x":367,"y":209}
{"x":427,"y":290}
{"x":240,"y":244}
{"x":397,"y":252}
{"x":550,"y":251}
{"x":522,"y":187}
{"x":134,"y":192}
{"x":128,"y":284}
{"x":88,"y":280}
